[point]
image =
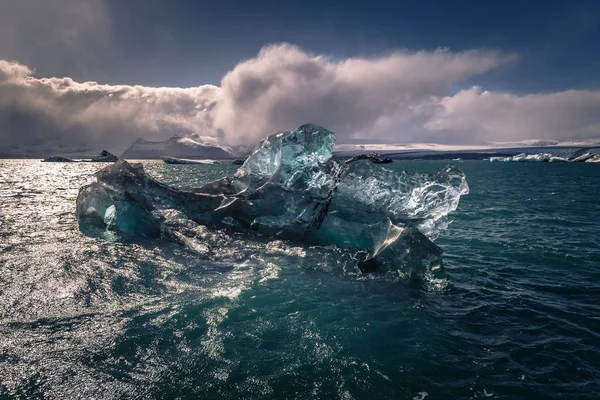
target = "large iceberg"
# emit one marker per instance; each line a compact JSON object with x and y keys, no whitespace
{"x":290,"y":188}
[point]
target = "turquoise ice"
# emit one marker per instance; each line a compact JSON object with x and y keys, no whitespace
{"x":290,"y":187}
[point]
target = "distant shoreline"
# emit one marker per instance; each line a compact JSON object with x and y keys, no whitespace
{"x":403,"y":154}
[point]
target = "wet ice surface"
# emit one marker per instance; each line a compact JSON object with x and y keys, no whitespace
{"x":84,"y":317}
{"x":289,"y":188}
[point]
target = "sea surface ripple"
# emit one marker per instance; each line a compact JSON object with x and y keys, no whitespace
{"x":517,"y":315}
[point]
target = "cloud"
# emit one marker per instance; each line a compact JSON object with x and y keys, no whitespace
{"x":284,"y":86}
{"x":489,"y":116}
{"x":399,"y":97}
{"x":279,"y":89}
{"x":51,"y":110}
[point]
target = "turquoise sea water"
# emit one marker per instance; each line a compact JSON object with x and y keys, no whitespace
{"x":517,"y":315}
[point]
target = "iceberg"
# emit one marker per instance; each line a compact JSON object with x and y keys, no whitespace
{"x":175,"y":160}
{"x":290,"y":187}
{"x":374,"y":157}
{"x":105,"y":156}
{"x":57,"y":159}
{"x":523,"y":157}
{"x":579,"y":156}
{"x":586,"y":157}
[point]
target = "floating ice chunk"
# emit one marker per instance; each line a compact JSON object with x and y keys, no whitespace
{"x":288,"y":158}
{"x":367,"y":189}
{"x":124,"y":198}
{"x":594,"y":159}
{"x":105,"y":156}
{"x":110,"y":216}
{"x":385,"y":246}
{"x":289,"y":188}
{"x":586,"y":157}
{"x":557,"y":159}
{"x":175,"y":160}
{"x":375,"y":158}
{"x":57,"y":159}
{"x":542,"y":157}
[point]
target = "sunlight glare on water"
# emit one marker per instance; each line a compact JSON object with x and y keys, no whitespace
{"x":515,"y":317}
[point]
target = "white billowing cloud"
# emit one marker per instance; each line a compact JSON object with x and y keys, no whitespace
{"x":284,"y":86}
{"x":60,"y":109}
{"x":489,"y":116}
{"x":12,"y":71}
{"x":279,"y":89}
{"x":399,"y":97}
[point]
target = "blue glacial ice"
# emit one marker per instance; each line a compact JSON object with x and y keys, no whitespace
{"x":292,"y":188}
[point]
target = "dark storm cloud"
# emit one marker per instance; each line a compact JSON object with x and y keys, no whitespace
{"x":55,"y":35}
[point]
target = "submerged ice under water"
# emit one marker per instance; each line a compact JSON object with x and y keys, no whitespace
{"x":289,"y":188}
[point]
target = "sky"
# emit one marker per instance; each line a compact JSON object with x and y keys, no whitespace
{"x":101,"y":73}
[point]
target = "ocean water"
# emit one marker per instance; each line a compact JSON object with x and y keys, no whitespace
{"x":517,"y":315}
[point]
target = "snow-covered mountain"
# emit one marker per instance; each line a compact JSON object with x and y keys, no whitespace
{"x":181,"y":147}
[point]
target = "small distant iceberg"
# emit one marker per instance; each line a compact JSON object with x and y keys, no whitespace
{"x":587,"y":157}
{"x":547,"y":157}
{"x":175,"y":160}
{"x":105,"y":156}
{"x":57,"y":159}
{"x":375,"y":158}
{"x":523,"y":157}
